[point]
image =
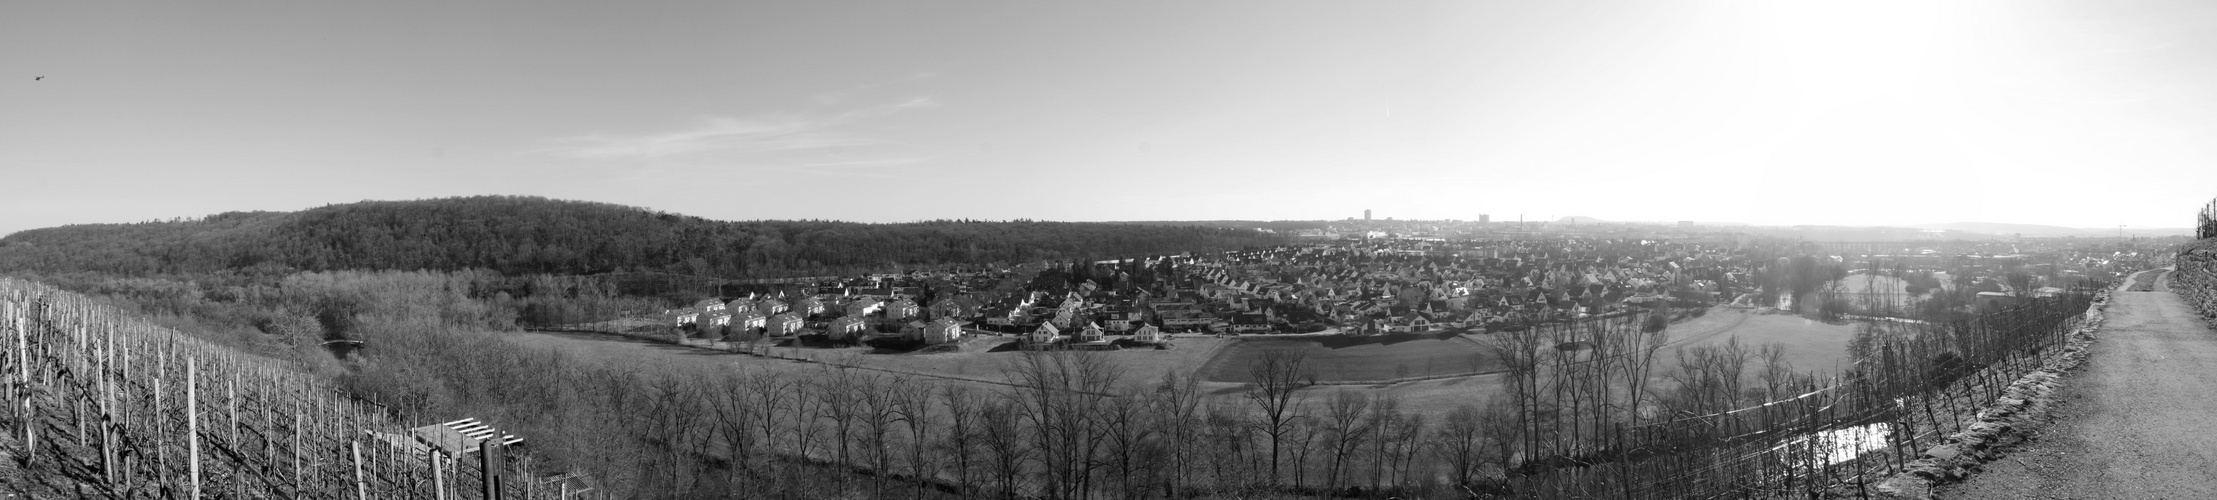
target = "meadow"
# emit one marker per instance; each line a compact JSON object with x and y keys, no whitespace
{"x":1811,"y":345}
{"x":1344,"y":360}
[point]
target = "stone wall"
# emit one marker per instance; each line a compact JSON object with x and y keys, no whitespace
{"x":2196,"y":278}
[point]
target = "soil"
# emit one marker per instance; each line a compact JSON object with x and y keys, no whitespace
{"x":2135,"y":423}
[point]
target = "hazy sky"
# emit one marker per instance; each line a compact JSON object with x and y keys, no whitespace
{"x":2088,"y":114}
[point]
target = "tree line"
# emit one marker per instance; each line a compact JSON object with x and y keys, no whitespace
{"x":529,"y":235}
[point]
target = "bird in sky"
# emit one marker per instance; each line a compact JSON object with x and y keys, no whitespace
{"x":38,"y":78}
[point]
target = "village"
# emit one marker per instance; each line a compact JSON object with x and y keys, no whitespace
{"x":1376,"y":283}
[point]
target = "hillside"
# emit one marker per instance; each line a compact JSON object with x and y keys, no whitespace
{"x":514,"y":235}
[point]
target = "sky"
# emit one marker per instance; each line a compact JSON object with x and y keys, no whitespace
{"x":2082,"y":114}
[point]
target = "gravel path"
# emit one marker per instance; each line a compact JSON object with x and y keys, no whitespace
{"x":2139,"y":420}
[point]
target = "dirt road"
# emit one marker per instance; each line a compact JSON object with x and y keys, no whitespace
{"x":2140,"y":420}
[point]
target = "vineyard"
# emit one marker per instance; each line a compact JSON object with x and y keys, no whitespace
{"x":107,"y":406}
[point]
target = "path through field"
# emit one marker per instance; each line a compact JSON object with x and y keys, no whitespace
{"x":2137,"y":422}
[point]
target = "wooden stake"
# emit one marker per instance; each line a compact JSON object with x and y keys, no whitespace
{"x":192,"y":421}
{"x":107,"y":407}
{"x":438,"y":473}
{"x":361,"y":490}
{"x":23,"y":379}
{"x":297,"y":420}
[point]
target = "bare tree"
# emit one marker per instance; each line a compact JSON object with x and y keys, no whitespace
{"x":1175,"y":407}
{"x":1060,"y":394}
{"x":1461,"y":439}
{"x":837,"y":401}
{"x":1343,"y":418}
{"x":770,"y":394}
{"x":963,"y":428}
{"x":734,"y":412}
{"x":1385,"y":416}
{"x":913,"y":409}
{"x":1277,"y":377}
{"x":879,"y":415}
{"x":1307,"y":435}
{"x":1123,"y":421}
{"x":1006,"y":449}
{"x":1519,"y":349}
{"x":1228,"y":432}
{"x":1409,"y":431}
{"x":1640,"y":365}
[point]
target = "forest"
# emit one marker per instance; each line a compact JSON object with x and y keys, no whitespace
{"x":529,"y":235}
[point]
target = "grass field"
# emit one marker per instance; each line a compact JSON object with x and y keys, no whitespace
{"x":1334,"y":362}
{"x":978,"y":361}
{"x":1876,"y":291}
{"x":1812,"y":346}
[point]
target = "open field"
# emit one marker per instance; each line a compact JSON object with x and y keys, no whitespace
{"x":978,"y":361}
{"x":1335,"y":359}
{"x":1876,"y":291}
{"x":1812,"y":346}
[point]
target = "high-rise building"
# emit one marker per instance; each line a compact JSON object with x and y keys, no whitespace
{"x":1366,"y":214}
{"x":1484,"y":218}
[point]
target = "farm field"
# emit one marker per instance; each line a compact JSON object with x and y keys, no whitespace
{"x":1421,"y":357}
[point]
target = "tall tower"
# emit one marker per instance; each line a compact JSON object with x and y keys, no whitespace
{"x":1366,"y":214}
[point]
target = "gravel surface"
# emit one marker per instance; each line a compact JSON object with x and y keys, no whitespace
{"x":2139,"y":421}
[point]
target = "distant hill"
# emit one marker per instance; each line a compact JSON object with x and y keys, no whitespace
{"x":2045,"y":231}
{"x":516,"y":235}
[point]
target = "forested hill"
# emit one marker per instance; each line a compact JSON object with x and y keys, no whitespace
{"x":536,"y":235}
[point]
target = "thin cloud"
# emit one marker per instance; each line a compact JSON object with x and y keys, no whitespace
{"x":737,"y":136}
{"x":920,"y":102}
{"x":887,"y":162}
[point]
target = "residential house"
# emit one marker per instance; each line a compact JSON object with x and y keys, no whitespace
{"x":1044,"y":335}
{"x":942,"y":330}
{"x":682,"y":317}
{"x":783,"y":324}
{"x":1149,"y":334}
{"x":900,"y":309}
{"x":771,"y":306}
{"x":808,"y":306}
{"x":1091,"y":333}
{"x":718,"y":317}
{"x":749,"y":319}
{"x":846,"y":327}
{"x":864,"y":307}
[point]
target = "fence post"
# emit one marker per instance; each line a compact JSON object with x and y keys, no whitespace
{"x":485,"y":468}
